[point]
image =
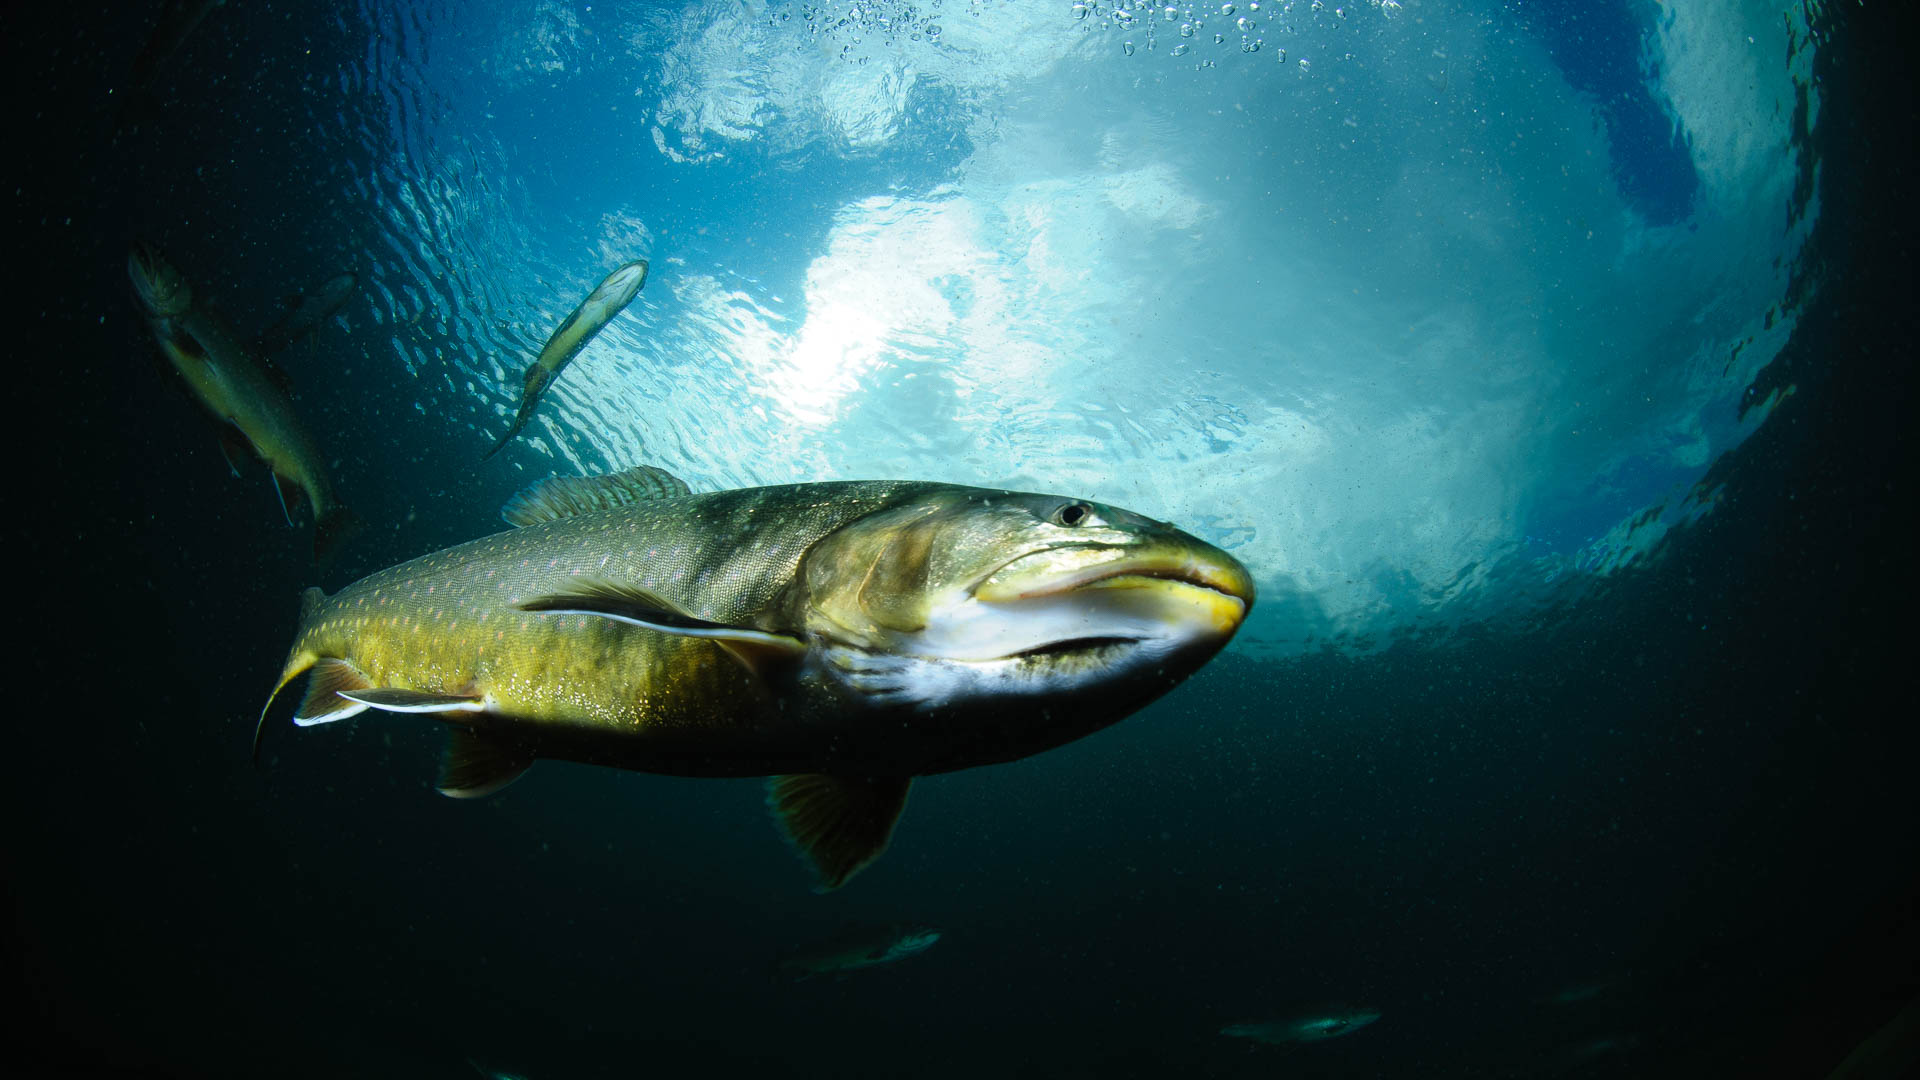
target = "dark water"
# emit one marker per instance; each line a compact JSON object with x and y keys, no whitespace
{"x":1693,"y":790}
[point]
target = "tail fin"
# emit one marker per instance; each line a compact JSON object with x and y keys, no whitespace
{"x":297,"y":666}
{"x":332,"y":529}
{"x":536,"y":379}
{"x":504,"y":440}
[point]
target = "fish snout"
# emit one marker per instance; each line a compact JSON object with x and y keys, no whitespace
{"x":156,"y":284}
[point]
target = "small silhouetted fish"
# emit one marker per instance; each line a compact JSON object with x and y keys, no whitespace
{"x":305,"y":312}
{"x":858,"y":948}
{"x":609,"y":299}
{"x":1304,"y":1028}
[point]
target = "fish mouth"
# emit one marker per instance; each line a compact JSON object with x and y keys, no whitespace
{"x":1093,"y":605}
{"x":1066,"y":569}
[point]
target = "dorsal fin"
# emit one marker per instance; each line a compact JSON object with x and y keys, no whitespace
{"x":565,"y":496}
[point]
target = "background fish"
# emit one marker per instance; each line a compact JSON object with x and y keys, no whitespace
{"x":610,"y":298}
{"x":1304,"y":1028}
{"x":860,"y":947}
{"x":305,"y":312}
{"x":248,"y":398}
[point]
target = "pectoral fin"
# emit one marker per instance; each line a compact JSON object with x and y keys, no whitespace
{"x":476,"y":764}
{"x":757,"y":650}
{"x":415,"y":701}
{"x":840,"y":823}
{"x":281,"y":494}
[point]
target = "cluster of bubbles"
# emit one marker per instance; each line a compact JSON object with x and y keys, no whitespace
{"x":1244,"y":24}
{"x":853,"y":23}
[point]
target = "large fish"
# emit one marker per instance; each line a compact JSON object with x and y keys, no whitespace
{"x":248,"y":398}
{"x":843,"y":638}
{"x":609,"y":299}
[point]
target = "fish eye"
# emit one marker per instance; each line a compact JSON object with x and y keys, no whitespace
{"x":1073,"y":514}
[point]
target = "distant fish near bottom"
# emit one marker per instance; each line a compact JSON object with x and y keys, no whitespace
{"x":858,"y":948}
{"x":1304,"y":1028}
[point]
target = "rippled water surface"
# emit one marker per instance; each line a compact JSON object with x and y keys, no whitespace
{"x":1366,"y":294}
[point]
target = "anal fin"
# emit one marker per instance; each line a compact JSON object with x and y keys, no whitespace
{"x":328,"y":685}
{"x":840,"y":823}
{"x":475,"y":764}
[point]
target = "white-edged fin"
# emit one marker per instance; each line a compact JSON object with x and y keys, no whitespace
{"x":840,"y":823}
{"x":565,"y":496}
{"x":282,"y":496}
{"x":328,"y":685}
{"x":415,"y":701}
{"x":475,"y":765}
{"x":757,"y":650}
